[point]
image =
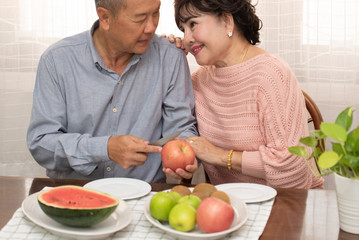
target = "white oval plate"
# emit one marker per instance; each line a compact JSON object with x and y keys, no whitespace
{"x":118,"y":220}
{"x":248,"y":192}
{"x":240,"y":217}
{"x":123,"y":188}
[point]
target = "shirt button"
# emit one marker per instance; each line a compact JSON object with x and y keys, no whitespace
{"x":108,"y":169}
{"x":114,"y":110}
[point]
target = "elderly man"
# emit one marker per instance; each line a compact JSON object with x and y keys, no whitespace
{"x":102,"y":96}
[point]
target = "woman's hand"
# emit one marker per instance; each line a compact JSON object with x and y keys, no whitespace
{"x":182,"y":173}
{"x":207,"y":152}
{"x":177,"y":40}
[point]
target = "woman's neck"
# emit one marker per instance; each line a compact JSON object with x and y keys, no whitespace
{"x":236,"y":52}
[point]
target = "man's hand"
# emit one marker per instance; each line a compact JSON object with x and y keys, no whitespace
{"x":129,"y":151}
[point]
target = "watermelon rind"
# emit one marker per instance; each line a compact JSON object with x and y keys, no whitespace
{"x":74,"y":217}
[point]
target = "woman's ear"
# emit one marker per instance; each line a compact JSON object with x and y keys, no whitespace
{"x":104,"y":17}
{"x":228,"y":22}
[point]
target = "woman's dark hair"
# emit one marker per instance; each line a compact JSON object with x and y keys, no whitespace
{"x":243,"y":13}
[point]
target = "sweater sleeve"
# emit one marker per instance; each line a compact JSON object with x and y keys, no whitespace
{"x":283,"y":119}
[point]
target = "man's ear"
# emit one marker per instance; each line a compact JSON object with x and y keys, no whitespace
{"x":104,"y":17}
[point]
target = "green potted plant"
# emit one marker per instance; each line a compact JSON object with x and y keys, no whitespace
{"x":342,"y":160}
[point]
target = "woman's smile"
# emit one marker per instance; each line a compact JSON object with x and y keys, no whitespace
{"x":196,"y":49}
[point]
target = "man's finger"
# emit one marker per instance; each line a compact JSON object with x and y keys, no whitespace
{"x":146,"y":148}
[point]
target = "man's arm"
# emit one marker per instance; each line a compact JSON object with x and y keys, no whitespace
{"x":49,"y":141}
{"x":58,"y":143}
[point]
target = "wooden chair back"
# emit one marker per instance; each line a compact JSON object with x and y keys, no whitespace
{"x":315,"y":117}
{"x":313,"y":110}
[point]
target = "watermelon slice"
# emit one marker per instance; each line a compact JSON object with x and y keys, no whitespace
{"x":77,"y":206}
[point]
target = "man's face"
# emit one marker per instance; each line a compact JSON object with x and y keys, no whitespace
{"x":133,"y":28}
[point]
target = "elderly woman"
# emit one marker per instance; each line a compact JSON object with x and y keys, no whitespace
{"x":249,"y":105}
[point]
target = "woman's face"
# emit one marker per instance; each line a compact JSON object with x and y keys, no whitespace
{"x":206,"y":38}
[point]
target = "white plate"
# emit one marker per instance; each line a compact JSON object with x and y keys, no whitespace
{"x":123,"y":188}
{"x":249,"y":192}
{"x":240,"y":217}
{"x":118,"y":220}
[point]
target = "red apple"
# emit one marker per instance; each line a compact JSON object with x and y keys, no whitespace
{"x":177,"y":154}
{"x":214,"y":215}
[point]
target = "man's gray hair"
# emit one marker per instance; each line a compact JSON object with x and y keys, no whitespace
{"x":112,"y":5}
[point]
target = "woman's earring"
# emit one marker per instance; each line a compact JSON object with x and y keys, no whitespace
{"x":229,"y":34}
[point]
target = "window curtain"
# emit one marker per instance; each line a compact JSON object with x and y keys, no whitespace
{"x":319,"y":39}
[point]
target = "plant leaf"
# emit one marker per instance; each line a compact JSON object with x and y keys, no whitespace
{"x":345,"y":118}
{"x":356,"y":133}
{"x":352,"y":143}
{"x":356,"y":164}
{"x":352,"y":160}
{"x":298,"y":151}
{"x":345,"y":161}
{"x":334,"y":131}
{"x":318,"y":134}
{"x":328,"y":160}
{"x":317,"y":151}
{"x":309,"y":141}
{"x":337,"y":147}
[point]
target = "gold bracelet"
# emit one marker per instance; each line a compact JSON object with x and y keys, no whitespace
{"x":229,"y":160}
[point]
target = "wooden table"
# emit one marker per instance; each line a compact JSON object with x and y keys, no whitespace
{"x":296,"y":214}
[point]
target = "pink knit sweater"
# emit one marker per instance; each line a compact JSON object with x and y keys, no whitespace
{"x":256,"y":107}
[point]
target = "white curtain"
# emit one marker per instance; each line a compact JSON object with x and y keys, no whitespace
{"x":319,"y":39}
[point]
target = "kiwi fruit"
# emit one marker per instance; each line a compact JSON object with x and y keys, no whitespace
{"x":182,"y":190}
{"x":206,"y":189}
{"x":221,"y":195}
{"x":201,"y":195}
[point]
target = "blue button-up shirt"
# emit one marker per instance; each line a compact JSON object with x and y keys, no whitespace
{"x":78,"y":103}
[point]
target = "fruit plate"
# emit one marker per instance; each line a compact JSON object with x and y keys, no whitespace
{"x":249,"y":192}
{"x":240,"y":217}
{"x":118,"y":220}
{"x":123,"y":188}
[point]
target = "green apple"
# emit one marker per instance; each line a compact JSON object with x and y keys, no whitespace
{"x":192,"y":200}
{"x":175,"y":195}
{"x":183,"y":217}
{"x":161,"y":204}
